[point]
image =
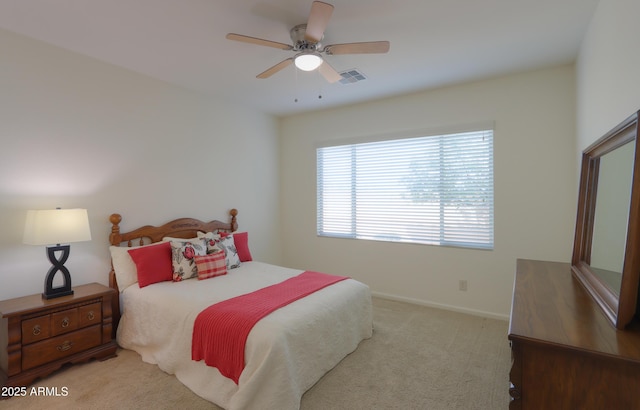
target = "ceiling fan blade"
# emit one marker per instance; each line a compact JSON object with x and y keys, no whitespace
{"x":370,"y":47}
{"x":258,"y":41}
{"x":271,"y":71}
{"x":318,"y":20}
{"x":329,"y":73}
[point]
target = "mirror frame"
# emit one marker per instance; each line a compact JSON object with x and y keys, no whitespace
{"x":619,"y":309}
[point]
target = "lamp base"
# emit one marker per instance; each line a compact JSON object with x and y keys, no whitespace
{"x":58,"y":265}
{"x":56,"y":293}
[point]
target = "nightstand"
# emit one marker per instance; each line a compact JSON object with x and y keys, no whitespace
{"x":38,"y":336}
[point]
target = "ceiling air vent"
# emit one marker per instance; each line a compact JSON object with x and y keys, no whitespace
{"x":352,"y":76}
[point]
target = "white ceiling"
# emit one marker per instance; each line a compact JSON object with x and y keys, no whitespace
{"x":433,"y":42}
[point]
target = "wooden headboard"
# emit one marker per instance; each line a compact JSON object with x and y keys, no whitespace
{"x":178,"y":228}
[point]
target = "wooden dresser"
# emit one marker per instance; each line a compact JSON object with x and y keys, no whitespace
{"x":38,"y":336}
{"x":566,"y":353}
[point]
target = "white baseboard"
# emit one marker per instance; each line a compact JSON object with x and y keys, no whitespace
{"x":458,"y":309}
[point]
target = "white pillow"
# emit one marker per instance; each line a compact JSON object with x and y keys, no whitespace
{"x":123,"y":266}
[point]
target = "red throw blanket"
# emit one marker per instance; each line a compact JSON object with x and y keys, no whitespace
{"x":221,"y":330}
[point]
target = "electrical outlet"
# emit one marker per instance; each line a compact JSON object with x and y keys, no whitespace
{"x":462,"y":285}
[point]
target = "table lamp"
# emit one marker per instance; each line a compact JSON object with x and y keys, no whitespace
{"x":57,"y":226}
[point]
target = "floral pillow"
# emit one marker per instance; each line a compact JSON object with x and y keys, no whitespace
{"x":241,"y":240}
{"x":210,"y":239}
{"x":215,"y":243}
{"x":183,"y":255}
{"x":231,"y":253}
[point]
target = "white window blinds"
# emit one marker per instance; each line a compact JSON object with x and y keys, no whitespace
{"x":434,"y":190}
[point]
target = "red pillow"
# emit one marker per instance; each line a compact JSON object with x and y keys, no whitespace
{"x":241,"y":240}
{"x":153,"y":263}
{"x":242,"y":246}
{"x":211,"y":265}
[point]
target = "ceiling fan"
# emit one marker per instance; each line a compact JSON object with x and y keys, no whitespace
{"x":306,"y":42}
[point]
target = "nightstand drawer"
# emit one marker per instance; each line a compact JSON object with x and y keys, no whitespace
{"x":89,"y":315}
{"x":61,"y":346}
{"x":63,"y":322}
{"x":36,"y":329}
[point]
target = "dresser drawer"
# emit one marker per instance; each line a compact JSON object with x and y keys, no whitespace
{"x":89,"y":315}
{"x":59,"y":347}
{"x":36,"y":329}
{"x":63,"y":322}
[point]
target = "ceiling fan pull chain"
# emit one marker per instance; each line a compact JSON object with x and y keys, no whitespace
{"x":321,"y":84}
{"x":295,"y":69}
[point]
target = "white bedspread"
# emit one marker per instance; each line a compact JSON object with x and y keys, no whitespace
{"x":286,"y":352}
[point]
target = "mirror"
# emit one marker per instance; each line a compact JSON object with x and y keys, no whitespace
{"x":612,"y":215}
{"x":606,"y":259}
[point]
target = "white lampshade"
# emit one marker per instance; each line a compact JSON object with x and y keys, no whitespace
{"x":55,"y":226}
{"x":308,"y":61}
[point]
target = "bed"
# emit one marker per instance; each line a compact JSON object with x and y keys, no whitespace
{"x":286,"y":352}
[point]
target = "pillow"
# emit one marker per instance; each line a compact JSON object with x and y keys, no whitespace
{"x":211,"y":265}
{"x":123,"y":265}
{"x":216,"y":242}
{"x":231,"y":253}
{"x":210,"y":238}
{"x":153,"y":263}
{"x":241,"y":240}
{"x":182,"y":257}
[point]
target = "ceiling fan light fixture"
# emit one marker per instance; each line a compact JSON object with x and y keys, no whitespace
{"x":306,"y":40}
{"x":308,"y":61}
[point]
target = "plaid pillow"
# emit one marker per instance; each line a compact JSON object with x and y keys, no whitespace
{"x":211,"y":265}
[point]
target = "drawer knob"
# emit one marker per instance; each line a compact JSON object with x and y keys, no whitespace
{"x":66,"y":345}
{"x":90,"y":315}
{"x":36,"y":330}
{"x":65,"y":322}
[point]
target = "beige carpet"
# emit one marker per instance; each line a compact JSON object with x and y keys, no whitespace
{"x":418,"y":358}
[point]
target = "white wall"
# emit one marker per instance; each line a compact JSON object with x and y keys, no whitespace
{"x":608,"y":67}
{"x":535,"y":189}
{"x":76,"y":132}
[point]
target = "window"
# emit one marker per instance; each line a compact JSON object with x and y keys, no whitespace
{"x":434,"y":190}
